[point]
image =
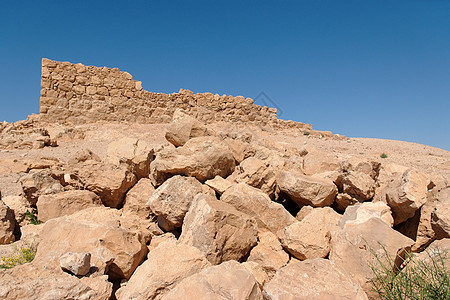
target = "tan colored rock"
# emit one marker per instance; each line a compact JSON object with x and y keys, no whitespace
{"x":359,"y":185}
{"x":256,"y":173}
{"x":310,"y":238}
{"x":306,"y":190}
{"x":19,"y":205}
{"x":82,"y":156}
{"x":303,"y":212}
{"x":7,"y":224}
{"x":184,"y":127}
{"x":317,"y":161}
{"x":201,"y":157}
{"x":343,"y":201}
{"x":28,"y":282}
{"x":440,"y":217}
{"x":219,"y":184}
{"x":65,"y":203}
{"x":405,"y":194}
{"x":240,"y":149}
{"x":360,"y":213}
{"x":115,"y":250}
{"x":257,"y":271}
{"x":108,"y":181}
{"x":351,"y":248}
{"x":76,"y":263}
{"x":136,"y":199}
{"x":257,"y":204}
{"x":268,"y":253}
{"x":159,"y":239}
{"x":166,"y":265}
{"x":313,"y":279}
{"x":171,"y":201}
{"x":216,"y":228}
{"x":229,"y":279}
{"x":40,"y":182}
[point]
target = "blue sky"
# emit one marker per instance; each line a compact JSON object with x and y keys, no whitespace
{"x":356,"y":67}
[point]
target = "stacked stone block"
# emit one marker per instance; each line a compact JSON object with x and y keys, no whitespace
{"x":78,"y":94}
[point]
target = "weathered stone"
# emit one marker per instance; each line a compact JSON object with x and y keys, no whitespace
{"x":269,"y":253}
{"x":359,"y":185}
{"x":440,"y":217}
{"x":166,"y":265}
{"x":360,"y":213}
{"x":256,"y":173}
{"x":76,"y":263}
{"x":201,"y":157}
{"x":184,"y":127}
{"x":352,"y":248}
{"x":65,"y":203}
{"x":313,"y":279}
{"x":306,"y":190}
{"x":216,"y":228}
{"x":219,"y":184}
{"x":310,"y":238}
{"x":257,"y":204}
{"x":171,"y":201}
{"x":229,"y":278}
{"x":40,"y":182}
{"x":19,"y":205}
{"x":257,"y":271}
{"x":7,"y":224}
{"x":240,"y":149}
{"x":108,"y":181}
{"x":115,"y":250}
{"x":136,"y":199}
{"x":405,"y":194}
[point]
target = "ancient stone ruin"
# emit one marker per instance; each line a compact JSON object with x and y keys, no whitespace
{"x":78,"y":94}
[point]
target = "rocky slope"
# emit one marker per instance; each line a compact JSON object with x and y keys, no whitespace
{"x":218,"y":211}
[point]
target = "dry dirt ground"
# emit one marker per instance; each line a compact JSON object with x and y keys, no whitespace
{"x":97,"y":137}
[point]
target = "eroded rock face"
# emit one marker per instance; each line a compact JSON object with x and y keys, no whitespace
{"x":310,"y":238}
{"x":220,"y":231}
{"x":440,"y":217}
{"x":360,"y":213}
{"x":305,"y":190}
{"x":269,"y":253}
{"x":76,"y":263}
{"x":358,"y":185}
{"x":19,"y":205}
{"x":405,"y":194}
{"x":184,"y":127}
{"x":28,"y":282}
{"x":65,"y":203}
{"x":228,"y":278}
{"x":201,"y":157}
{"x":166,"y":265}
{"x":7,"y":224}
{"x":257,"y":204}
{"x":108,"y":181}
{"x":41,"y":182}
{"x":352,"y":247}
{"x":171,"y":201}
{"x":256,"y":173}
{"x":313,"y":279}
{"x":137,"y":197}
{"x":115,"y":250}
{"x":219,"y":185}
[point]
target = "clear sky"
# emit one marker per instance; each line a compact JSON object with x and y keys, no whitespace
{"x":361,"y":68}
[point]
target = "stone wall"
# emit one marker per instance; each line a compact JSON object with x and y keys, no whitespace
{"x":78,"y":94}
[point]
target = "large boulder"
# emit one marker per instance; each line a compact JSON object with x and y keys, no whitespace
{"x":355,"y":248}
{"x":313,"y":279}
{"x":358,"y":185}
{"x":28,"y":282}
{"x":171,"y":201}
{"x":115,"y":250}
{"x":229,"y":280}
{"x":136,"y":199}
{"x":305,"y":190}
{"x":19,"y":205}
{"x":310,"y":238}
{"x":254,"y":202}
{"x":405,"y":193}
{"x":65,"y":203}
{"x":269,"y":253}
{"x":440,"y":218}
{"x":7,"y":224}
{"x":166,"y":265}
{"x":219,"y":230}
{"x":201,"y":157}
{"x":219,"y":185}
{"x":41,"y":182}
{"x":184,"y":127}
{"x":257,"y":173}
{"x":108,"y":181}
{"x":360,"y":213}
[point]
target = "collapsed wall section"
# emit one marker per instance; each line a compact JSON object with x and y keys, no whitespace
{"x":78,"y":94}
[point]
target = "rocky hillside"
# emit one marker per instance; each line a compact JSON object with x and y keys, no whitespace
{"x":188,"y":210}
